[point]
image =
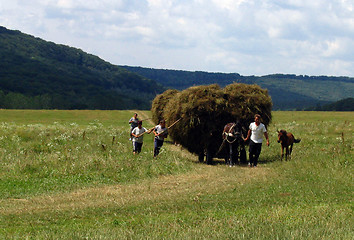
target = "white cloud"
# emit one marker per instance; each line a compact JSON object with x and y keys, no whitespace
{"x":65,"y":4}
{"x":246,"y":36}
{"x":230,"y":5}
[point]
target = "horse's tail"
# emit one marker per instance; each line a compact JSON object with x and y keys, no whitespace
{"x":297,"y":140}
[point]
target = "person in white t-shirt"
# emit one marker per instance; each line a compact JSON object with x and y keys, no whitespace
{"x":255,"y":133}
{"x":160,"y":132}
{"x":137,"y":134}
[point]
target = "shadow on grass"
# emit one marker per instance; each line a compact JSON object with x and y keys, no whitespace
{"x":270,"y":159}
{"x":221,"y":160}
{"x":262,"y":160}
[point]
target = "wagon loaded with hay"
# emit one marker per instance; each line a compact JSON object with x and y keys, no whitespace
{"x":205,"y":110}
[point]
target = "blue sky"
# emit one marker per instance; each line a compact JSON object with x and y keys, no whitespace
{"x":250,"y":37}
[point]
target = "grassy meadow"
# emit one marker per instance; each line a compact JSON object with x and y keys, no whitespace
{"x":72,"y":175}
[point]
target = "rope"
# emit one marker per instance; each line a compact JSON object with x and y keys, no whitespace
{"x":230,"y":130}
{"x":225,"y":139}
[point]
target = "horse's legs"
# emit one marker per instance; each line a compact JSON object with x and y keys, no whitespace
{"x":236,"y":154}
{"x":282,"y":153}
{"x":231,"y":155}
{"x":291,"y":150}
{"x":286,"y":153}
{"x":209,"y":156}
{"x":201,"y":157}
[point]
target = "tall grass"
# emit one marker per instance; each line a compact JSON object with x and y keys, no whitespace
{"x":60,"y":154}
{"x":59,"y":183}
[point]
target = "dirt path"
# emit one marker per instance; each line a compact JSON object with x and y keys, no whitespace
{"x":205,"y":180}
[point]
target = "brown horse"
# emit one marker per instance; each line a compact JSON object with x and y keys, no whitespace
{"x":286,"y":140}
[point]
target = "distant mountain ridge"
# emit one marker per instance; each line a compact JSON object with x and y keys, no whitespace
{"x":288,"y":91}
{"x":38,"y":74}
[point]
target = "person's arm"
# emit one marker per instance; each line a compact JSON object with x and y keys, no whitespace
{"x":133,"y":134}
{"x":150,"y":130}
{"x":266,"y":136}
{"x":142,"y":133}
{"x":248,"y":135}
{"x":155,"y":133}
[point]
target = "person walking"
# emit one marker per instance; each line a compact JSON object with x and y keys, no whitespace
{"x":160,"y":132}
{"x":255,"y":133}
{"x":133,"y":123}
{"x":138,"y":137}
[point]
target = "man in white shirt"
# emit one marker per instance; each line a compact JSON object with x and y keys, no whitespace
{"x":160,"y":132}
{"x":255,"y":133}
{"x":138,"y":136}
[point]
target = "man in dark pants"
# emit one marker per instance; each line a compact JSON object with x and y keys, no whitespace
{"x":160,"y":133}
{"x":255,"y":133}
{"x":138,"y":137}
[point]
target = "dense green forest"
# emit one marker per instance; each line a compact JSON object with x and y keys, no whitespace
{"x":37,"y":74}
{"x":288,"y":91}
{"x":341,"y":105}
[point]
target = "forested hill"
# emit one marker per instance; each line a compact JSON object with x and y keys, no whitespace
{"x":346,"y":104}
{"x":38,"y":74}
{"x":288,"y":92}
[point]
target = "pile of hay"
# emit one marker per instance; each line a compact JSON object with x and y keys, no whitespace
{"x":204,"y":111}
{"x":159,"y":103}
{"x":244,"y":101}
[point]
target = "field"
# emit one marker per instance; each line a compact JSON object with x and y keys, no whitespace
{"x":72,"y":175}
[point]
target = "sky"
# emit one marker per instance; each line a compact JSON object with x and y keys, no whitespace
{"x":249,"y":37}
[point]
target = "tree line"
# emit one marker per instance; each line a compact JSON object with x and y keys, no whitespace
{"x":288,"y":91}
{"x":346,"y":104}
{"x":38,"y":74}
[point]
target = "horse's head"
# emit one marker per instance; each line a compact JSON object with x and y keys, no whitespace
{"x":233,"y":131}
{"x":281,"y":135}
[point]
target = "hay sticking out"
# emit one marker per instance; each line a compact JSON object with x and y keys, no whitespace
{"x":244,"y":101}
{"x":198,"y":107}
{"x":204,"y":111}
{"x":159,"y":103}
